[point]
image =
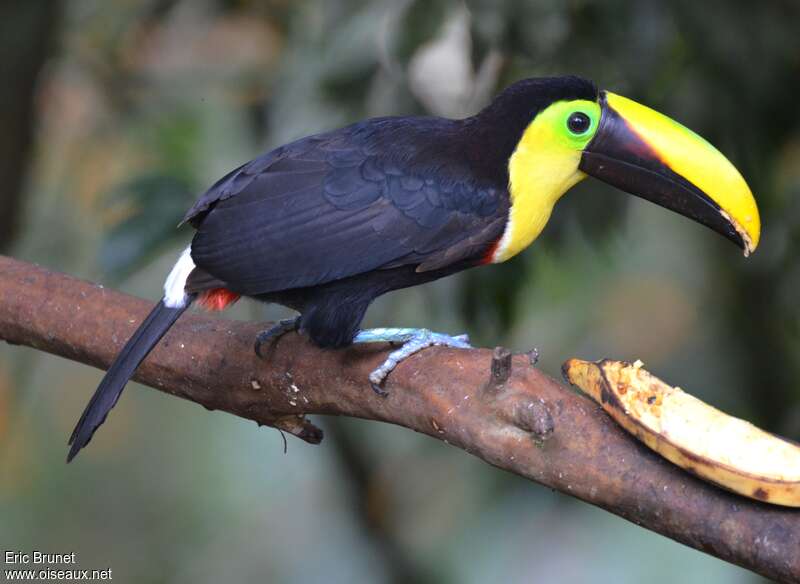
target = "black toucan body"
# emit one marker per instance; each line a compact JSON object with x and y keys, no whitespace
{"x":326,"y":224}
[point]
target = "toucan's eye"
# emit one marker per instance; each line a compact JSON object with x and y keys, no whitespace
{"x":578,"y":122}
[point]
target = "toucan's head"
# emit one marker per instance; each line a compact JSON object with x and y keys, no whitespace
{"x":573,"y":130}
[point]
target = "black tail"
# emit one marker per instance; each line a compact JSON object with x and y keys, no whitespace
{"x":133,"y":353}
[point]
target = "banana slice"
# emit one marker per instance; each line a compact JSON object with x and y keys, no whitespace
{"x":717,"y":447}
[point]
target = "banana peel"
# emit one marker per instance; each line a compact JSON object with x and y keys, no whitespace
{"x":719,"y":448}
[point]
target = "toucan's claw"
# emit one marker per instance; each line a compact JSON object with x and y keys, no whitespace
{"x":281,"y":328}
{"x":414,"y":340}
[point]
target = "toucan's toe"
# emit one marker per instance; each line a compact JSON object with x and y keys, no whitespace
{"x":274,"y":332}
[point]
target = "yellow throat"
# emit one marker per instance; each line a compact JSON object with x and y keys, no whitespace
{"x":542,"y":168}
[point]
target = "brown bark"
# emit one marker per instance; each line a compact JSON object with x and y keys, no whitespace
{"x":516,"y":418}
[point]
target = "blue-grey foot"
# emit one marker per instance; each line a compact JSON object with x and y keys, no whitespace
{"x":280,"y":328}
{"x":414,"y":340}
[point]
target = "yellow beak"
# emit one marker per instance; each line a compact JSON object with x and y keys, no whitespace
{"x":649,"y":155}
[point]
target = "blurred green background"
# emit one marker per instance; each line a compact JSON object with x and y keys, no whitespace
{"x":117,"y":114}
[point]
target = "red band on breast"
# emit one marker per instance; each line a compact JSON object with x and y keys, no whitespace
{"x":217,"y":298}
{"x":488,"y":255}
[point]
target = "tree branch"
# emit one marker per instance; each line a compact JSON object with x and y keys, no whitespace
{"x":519,"y":420}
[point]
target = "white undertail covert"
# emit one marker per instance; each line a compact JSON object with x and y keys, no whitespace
{"x":175,"y":295}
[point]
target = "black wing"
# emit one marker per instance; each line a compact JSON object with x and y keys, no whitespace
{"x":379,"y":194}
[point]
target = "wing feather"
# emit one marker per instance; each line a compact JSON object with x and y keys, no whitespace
{"x":339,"y":204}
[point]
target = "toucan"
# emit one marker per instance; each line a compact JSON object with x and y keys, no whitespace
{"x":327,"y":223}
